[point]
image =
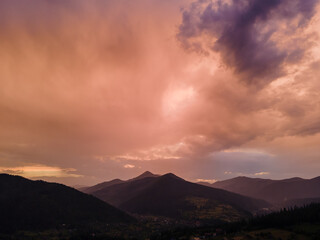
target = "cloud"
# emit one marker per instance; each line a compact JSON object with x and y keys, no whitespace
{"x":40,"y":171}
{"x":261,"y":173}
{"x":96,"y":85}
{"x":206,"y":180}
{"x":129,"y":166}
{"x":93,"y":84}
{"x":259,"y":40}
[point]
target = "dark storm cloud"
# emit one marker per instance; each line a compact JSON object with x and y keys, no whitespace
{"x":251,"y":35}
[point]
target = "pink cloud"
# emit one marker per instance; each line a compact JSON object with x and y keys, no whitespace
{"x":98,"y":86}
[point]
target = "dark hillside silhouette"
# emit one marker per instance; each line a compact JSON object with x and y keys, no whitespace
{"x":26,"y":204}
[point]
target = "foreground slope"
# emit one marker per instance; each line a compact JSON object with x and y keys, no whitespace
{"x":296,"y":223}
{"x":171,"y":196}
{"x":275,"y":191}
{"x":26,"y":204}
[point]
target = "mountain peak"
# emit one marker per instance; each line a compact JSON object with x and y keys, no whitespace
{"x":294,"y":179}
{"x":240,"y":177}
{"x":145,"y":175}
{"x":316,"y":179}
{"x":171,"y":175}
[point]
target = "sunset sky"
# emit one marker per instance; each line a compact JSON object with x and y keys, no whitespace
{"x":102,"y":89}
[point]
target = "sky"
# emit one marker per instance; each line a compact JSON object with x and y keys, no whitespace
{"x":207,"y":89}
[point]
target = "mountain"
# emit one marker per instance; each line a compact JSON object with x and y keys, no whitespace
{"x":100,"y":186}
{"x":146,"y":174}
{"x":205,"y":184}
{"x":35,"y":205}
{"x":273,"y":191}
{"x":79,"y":186}
{"x":171,"y":196}
{"x":103,"y":185}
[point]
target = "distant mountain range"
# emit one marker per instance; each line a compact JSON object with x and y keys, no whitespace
{"x":171,"y":196}
{"x":293,"y":191}
{"x":36,"y":205}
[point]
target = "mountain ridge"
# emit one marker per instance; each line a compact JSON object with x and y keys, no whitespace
{"x":102,"y":185}
{"x":171,"y":196}
{"x":273,"y":191}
